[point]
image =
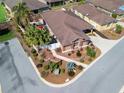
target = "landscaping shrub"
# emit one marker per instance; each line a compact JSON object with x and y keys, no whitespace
{"x":35,"y":54}
{"x":118,"y":29}
{"x":71,"y":73}
{"x":114,"y":15}
{"x":43,"y":54}
{"x":62,"y":70}
{"x":80,"y":67}
{"x":58,"y":50}
{"x":46,"y":67}
{"x":41,"y":60}
{"x":81,"y":59}
{"x":59,"y":63}
{"x":53,"y":66}
{"x":44,"y":74}
{"x":39,"y":65}
{"x":82,"y":1}
{"x":89,"y":59}
{"x":72,"y":52}
{"x":90,"y":52}
{"x":78,"y":54}
{"x":69,"y":54}
{"x":33,"y":51}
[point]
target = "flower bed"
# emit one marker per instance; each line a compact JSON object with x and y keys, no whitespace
{"x":113,"y":35}
{"x":55,"y":70}
{"x":83,"y":55}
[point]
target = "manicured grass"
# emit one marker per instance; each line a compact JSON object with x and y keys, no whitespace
{"x":2,"y":14}
{"x":7,"y":36}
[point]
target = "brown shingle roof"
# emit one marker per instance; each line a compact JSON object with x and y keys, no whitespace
{"x":66,"y":26}
{"x":94,"y":14}
{"x":35,"y":4}
{"x":32,"y":4}
{"x":110,"y":5}
{"x":53,"y":1}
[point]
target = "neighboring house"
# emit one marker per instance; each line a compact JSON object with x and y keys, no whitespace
{"x":36,"y":6}
{"x":68,"y":29}
{"x":33,"y":5}
{"x":110,"y":6}
{"x":54,"y":2}
{"x":4,"y":27}
{"x":93,"y":16}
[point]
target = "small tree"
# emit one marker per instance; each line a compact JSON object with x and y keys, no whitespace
{"x":71,"y":73}
{"x":82,"y":1}
{"x":80,"y":67}
{"x":118,"y":29}
{"x":114,"y":15}
{"x":53,"y":66}
{"x":41,"y":60}
{"x":69,"y":54}
{"x":90,"y":52}
{"x":39,"y":65}
{"x":46,"y":67}
{"x":62,"y":70}
{"x":33,"y":51}
{"x":78,"y":54}
{"x":59,"y":63}
{"x":81,"y":59}
{"x":44,"y":74}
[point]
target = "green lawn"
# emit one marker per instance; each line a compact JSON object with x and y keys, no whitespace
{"x":7,"y":36}
{"x":2,"y":14}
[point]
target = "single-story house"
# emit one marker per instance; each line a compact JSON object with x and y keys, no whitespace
{"x":93,"y":16}
{"x":67,"y":28}
{"x":109,"y":6}
{"x":33,"y":5}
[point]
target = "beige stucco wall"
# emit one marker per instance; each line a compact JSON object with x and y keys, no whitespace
{"x":79,"y":44}
{"x":96,"y":25}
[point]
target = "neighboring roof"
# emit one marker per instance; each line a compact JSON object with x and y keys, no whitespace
{"x":31,"y":4}
{"x":17,"y":74}
{"x":121,"y":7}
{"x":110,"y":5}
{"x":94,"y":14}
{"x":53,"y":1}
{"x":4,"y":26}
{"x":66,"y":26}
{"x":35,"y":4}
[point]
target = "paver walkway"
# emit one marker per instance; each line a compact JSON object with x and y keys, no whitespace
{"x":67,"y":59}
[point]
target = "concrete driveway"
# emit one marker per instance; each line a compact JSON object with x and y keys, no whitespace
{"x":103,"y":44}
{"x":121,"y":23}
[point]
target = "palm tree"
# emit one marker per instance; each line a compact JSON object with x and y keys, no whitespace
{"x":21,"y":13}
{"x":37,"y":37}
